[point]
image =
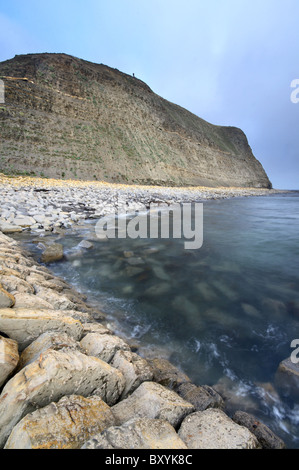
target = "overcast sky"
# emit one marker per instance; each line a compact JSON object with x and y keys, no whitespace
{"x":230,"y":62}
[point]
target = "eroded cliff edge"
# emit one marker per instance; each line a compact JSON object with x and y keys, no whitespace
{"x":64,"y":117}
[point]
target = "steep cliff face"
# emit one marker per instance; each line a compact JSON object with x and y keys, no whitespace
{"x":68,"y":118}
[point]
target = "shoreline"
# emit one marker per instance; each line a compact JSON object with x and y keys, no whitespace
{"x":48,"y":330}
{"x":42,"y":204}
{"x":59,"y":359}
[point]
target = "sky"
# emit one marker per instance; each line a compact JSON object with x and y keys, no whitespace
{"x":230,"y":62}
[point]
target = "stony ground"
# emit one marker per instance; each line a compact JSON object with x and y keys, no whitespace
{"x":47,"y":204}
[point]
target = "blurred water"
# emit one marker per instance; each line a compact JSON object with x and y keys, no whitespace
{"x":226,"y":313}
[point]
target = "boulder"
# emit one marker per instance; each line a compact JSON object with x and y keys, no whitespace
{"x":266,"y":437}
{"x":213,"y":429}
{"x":23,"y":221}
{"x":49,"y":340}
{"x":152,"y":400}
{"x":54,"y":375}
{"x":52,"y":253}
{"x":103,"y":346}
{"x":16,"y":284}
{"x":167,"y":374}
{"x":92,"y":327}
{"x":58,"y":301}
{"x":25,"y":325}
{"x":85,"y":244}
{"x":137,"y":434}
{"x":6,"y":299}
{"x":202,"y":397}
{"x":7,"y":227}
{"x":9,"y":358}
{"x":66,"y":424}
{"x":134,"y":368}
{"x":23,"y":300}
{"x":287,"y":379}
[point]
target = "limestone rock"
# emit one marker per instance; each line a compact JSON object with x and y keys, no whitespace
{"x":213,"y":429}
{"x":6,"y":299}
{"x":152,"y":400}
{"x":167,"y":374}
{"x":85,"y":244}
{"x":9,"y":358}
{"x":25,"y":325}
{"x":23,"y":300}
{"x":202,"y":397}
{"x":54,"y":375}
{"x":23,"y":221}
{"x":15,"y":284}
{"x":134,"y":368}
{"x":49,"y":340}
{"x":92,"y":327}
{"x":103,"y":346}
{"x":63,"y":425}
{"x":287,"y":379}
{"x":52,"y":253}
{"x":266,"y":437}
{"x":58,"y":301}
{"x":142,"y":433}
{"x":7,"y":227}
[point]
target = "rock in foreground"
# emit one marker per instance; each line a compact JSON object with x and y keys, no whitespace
{"x":63,"y":425}
{"x":213,"y":429}
{"x":138,"y":433}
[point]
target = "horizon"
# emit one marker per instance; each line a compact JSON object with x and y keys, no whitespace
{"x":240,"y":60}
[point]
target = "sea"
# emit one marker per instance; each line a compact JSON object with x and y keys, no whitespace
{"x":226,"y":313}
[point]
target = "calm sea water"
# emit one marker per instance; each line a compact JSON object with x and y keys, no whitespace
{"x":226,"y":313}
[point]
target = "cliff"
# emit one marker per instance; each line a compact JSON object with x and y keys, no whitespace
{"x":64,"y":117}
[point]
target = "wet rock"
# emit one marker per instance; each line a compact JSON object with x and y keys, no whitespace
{"x":9,"y":358}
{"x":201,"y":397}
{"x":138,"y":434}
{"x":25,"y":325}
{"x":103,"y":346}
{"x":66,"y":424}
{"x":266,"y":437}
{"x":134,"y":368}
{"x":85,"y":244}
{"x":167,"y":374}
{"x":235,"y":395}
{"x":52,"y":253}
{"x":54,"y":375}
{"x":287,"y":379}
{"x":213,"y":429}
{"x":152,"y":400}
{"x":95,"y":328}
{"x":6,"y":299}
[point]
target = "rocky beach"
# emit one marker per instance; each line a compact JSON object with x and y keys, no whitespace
{"x":67,"y":380}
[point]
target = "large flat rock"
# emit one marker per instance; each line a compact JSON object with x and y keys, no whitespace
{"x":25,"y":325}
